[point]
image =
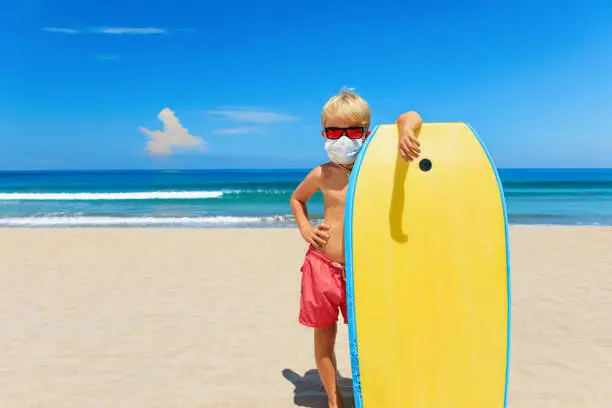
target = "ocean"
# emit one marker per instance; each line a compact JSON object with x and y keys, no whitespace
{"x":257,"y":198}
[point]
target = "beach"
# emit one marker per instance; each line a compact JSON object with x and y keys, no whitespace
{"x":202,"y":318}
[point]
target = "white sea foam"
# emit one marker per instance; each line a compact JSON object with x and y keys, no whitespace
{"x":143,"y":221}
{"x":146,"y":195}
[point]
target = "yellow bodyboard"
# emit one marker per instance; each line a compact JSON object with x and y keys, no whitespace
{"x":427,"y":273}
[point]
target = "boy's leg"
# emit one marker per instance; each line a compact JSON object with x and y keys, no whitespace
{"x":325,"y":357}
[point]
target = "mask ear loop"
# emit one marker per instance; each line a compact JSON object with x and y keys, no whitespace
{"x":345,"y":168}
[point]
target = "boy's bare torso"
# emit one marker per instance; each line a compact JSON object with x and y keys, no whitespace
{"x":334,"y":184}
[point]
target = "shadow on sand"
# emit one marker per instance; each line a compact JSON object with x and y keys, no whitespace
{"x":309,"y":391}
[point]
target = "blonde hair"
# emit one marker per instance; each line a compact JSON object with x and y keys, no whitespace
{"x":348,"y":105}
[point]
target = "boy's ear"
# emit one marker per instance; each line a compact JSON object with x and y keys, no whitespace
{"x":367,"y":133}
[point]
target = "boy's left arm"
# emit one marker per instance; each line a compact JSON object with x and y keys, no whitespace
{"x":409,"y":125}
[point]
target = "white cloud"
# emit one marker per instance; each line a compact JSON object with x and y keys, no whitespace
{"x":237,"y":131}
{"x":110,"y":30}
{"x":252,"y":115}
{"x":173,"y":135}
{"x":62,"y":30}
{"x":129,"y":30}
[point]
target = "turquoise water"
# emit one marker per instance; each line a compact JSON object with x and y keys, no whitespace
{"x":208,"y":198}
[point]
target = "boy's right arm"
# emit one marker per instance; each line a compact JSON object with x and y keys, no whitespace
{"x":310,"y":185}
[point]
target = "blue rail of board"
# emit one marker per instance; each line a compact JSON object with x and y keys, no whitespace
{"x":350,"y":288}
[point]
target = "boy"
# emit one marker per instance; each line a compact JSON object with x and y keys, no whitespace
{"x":346,"y":121}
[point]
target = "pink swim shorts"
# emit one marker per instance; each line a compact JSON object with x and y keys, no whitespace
{"x":323,"y":291}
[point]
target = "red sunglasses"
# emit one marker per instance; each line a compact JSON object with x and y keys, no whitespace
{"x":351,"y":132}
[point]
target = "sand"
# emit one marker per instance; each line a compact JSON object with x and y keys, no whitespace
{"x":207,"y":318}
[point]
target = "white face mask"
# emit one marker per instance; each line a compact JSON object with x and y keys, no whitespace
{"x":343,"y":150}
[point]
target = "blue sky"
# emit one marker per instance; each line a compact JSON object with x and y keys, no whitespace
{"x":80,"y":81}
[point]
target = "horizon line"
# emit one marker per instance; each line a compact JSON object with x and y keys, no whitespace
{"x":246,"y":169}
